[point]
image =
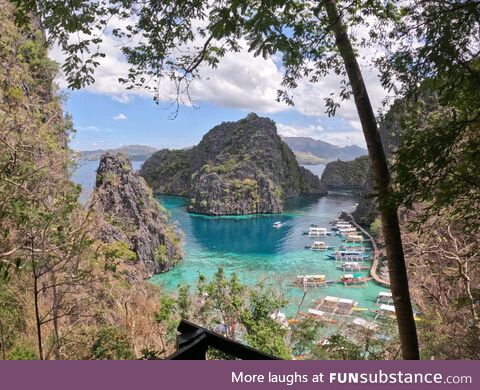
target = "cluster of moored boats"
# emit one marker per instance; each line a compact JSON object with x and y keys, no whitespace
{"x":350,"y":256}
{"x":331,"y":308}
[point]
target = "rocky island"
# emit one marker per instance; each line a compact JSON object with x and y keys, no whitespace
{"x":238,"y":168}
{"x":348,"y":175}
{"x":132,"y":223}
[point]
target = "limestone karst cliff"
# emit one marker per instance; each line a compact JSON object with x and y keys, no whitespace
{"x":133,"y":220}
{"x":238,"y":168}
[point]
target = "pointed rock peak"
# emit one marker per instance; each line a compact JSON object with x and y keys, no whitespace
{"x":113,"y":164}
{"x":133,"y":221}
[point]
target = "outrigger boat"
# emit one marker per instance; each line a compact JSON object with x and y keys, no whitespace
{"x":355,"y":248}
{"x":314,"y":281}
{"x":318,"y":246}
{"x":364,"y":324}
{"x":354,"y":279}
{"x":336,"y":305}
{"x":342,"y":225}
{"x":277,"y":225}
{"x":354,"y":238}
{"x":346,"y":231}
{"x":320,"y":315}
{"x":349,"y":255}
{"x":384,"y":297}
{"x":352,"y":266}
{"x":385,"y":311}
{"x":317,"y":231}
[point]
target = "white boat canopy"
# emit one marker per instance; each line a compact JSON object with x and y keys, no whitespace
{"x":388,"y":308}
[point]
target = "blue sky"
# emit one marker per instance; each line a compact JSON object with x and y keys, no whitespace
{"x":102,"y":122}
{"x":107,"y":116}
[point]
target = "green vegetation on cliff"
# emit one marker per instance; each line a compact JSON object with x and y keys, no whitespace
{"x":133,"y":222}
{"x":238,"y":168}
{"x":347,"y":174}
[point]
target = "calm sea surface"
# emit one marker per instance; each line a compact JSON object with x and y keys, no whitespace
{"x":251,"y":247}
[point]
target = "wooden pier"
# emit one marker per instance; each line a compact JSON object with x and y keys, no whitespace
{"x":376,"y":254}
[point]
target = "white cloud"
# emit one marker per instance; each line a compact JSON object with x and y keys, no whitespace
{"x":240,"y":81}
{"x":122,"y":98}
{"x":120,"y":117}
{"x":94,"y":129}
{"x":344,"y":137}
{"x":312,"y":131}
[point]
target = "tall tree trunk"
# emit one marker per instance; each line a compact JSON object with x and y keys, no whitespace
{"x":388,"y":209}
{"x":2,"y":341}
{"x":55,"y":304}
{"x":36,"y":291}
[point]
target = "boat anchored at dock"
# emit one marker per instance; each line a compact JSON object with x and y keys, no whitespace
{"x":352,"y":266}
{"x":354,"y":280}
{"x":318,"y":246}
{"x":313,"y":281}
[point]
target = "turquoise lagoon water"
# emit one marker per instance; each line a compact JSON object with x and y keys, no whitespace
{"x":251,"y":247}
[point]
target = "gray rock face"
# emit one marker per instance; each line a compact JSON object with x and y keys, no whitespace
{"x":347,"y":174}
{"x":238,"y":168}
{"x":133,"y":217}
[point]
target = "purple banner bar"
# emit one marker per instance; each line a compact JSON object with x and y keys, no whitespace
{"x":174,"y":375}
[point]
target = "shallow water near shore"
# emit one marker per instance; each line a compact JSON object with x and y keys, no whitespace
{"x":251,"y":247}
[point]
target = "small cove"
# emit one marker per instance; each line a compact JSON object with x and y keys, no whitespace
{"x":251,"y":247}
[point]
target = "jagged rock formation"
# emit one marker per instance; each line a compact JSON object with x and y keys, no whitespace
{"x":134,"y":221}
{"x":346,"y":174}
{"x":238,"y":168}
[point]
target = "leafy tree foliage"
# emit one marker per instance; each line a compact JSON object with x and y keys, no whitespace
{"x":432,"y":54}
{"x":164,"y":40}
{"x":11,"y":319}
{"x":312,"y":39}
{"x":112,"y":344}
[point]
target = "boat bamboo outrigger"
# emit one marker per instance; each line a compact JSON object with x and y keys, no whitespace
{"x":307,"y":281}
{"x":277,"y":225}
{"x":349,"y":256}
{"x":352,"y":266}
{"x":356,"y":248}
{"x":336,"y":305}
{"x":346,"y":231}
{"x":342,"y":225}
{"x":319,"y":246}
{"x":384,"y":297}
{"x":364,"y":324}
{"x":317,"y":231}
{"x":354,"y":279}
{"x":384,"y":311}
{"x":321,"y":315}
{"x":354,"y":238}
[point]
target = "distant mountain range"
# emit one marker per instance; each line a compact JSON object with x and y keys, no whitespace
{"x":133,"y":152}
{"x":310,"y":151}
